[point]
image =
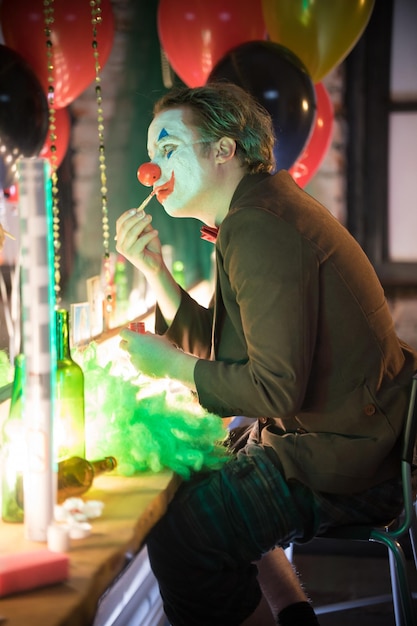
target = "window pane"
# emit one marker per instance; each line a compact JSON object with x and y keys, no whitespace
{"x":404,"y":51}
{"x":402,"y":197}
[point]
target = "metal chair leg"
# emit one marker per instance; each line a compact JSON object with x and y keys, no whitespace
{"x":413,"y":537}
{"x":401,"y":592}
{"x":395,"y":586}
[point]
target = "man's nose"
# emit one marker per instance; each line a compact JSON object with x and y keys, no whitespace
{"x":149,"y":173}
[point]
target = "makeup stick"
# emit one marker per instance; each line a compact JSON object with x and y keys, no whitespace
{"x":145,"y":202}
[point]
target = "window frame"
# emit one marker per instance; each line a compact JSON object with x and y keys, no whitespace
{"x":368,"y":107}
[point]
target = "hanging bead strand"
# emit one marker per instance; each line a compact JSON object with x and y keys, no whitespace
{"x":48,"y":13}
{"x":96,"y":19}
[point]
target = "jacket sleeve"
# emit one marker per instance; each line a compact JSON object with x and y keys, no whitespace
{"x":191,"y":329}
{"x":270,"y":278}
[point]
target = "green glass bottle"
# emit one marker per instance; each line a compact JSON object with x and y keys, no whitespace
{"x":13,"y":449}
{"x":69,"y":420}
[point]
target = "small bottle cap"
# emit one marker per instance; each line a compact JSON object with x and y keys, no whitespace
{"x":137,"y":327}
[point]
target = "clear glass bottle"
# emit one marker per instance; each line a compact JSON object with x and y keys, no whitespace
{"x":76,"y":475}
{"x":13,"y":449}
{"x":69,"y":421}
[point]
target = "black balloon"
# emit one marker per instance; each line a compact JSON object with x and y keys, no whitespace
{"x":277,"y":78}
{"x":23,"y":113}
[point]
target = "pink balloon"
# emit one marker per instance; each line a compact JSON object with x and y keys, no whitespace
{"x":313,"y":154}
{"x":195,"y":34}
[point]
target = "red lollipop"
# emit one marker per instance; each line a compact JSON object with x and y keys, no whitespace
{"x":149,"y":173}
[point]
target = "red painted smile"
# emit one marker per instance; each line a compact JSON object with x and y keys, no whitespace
{"x":163,"y":191}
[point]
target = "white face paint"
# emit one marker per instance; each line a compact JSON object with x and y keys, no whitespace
{"x":172,"y":145}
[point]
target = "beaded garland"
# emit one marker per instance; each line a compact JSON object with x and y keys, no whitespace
{"x":48,"y":13}
{"x":96,"y":19}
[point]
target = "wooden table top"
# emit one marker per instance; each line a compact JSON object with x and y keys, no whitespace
{"x":131,"y":507}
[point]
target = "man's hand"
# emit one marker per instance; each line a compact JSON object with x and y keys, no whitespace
{"x":155,"y":356}
{"x":138,"y":241}
{"x":140,"y":244}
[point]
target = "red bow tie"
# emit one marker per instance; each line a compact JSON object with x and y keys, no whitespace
{"x":209,"y":233}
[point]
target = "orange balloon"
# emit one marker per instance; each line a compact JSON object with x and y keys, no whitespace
{"x":195,"y":34}
{"x":320,"y":33}
{"x":23,"y":27}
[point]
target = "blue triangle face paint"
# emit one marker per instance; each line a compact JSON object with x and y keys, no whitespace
{"x":162,"y":134}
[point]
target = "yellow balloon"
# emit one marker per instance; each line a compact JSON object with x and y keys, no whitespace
{"x":320,"y":32}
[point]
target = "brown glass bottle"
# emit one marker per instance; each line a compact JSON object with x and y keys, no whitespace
{"x":76,"y":475}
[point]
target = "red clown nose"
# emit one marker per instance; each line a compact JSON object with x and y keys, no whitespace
{"x":149,"y":173}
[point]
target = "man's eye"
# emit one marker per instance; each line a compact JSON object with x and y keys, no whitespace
{"x":167,"y":150}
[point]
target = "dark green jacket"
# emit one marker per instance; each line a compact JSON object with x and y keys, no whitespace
{"x":300,"y":331}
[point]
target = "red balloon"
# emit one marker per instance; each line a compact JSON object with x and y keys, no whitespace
{"x":11,"y":194}
{"x":313,"y":154}
{"x":57,"y":137}
{"x":196,"y":34}
{"x":23,"y":28}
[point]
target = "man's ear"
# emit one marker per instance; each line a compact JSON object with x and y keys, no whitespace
{"x":225,"y":149}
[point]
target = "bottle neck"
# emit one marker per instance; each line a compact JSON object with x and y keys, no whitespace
{"x":62,"y":335}
{"x":104,"y":465}
{"x":18,"y":382}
